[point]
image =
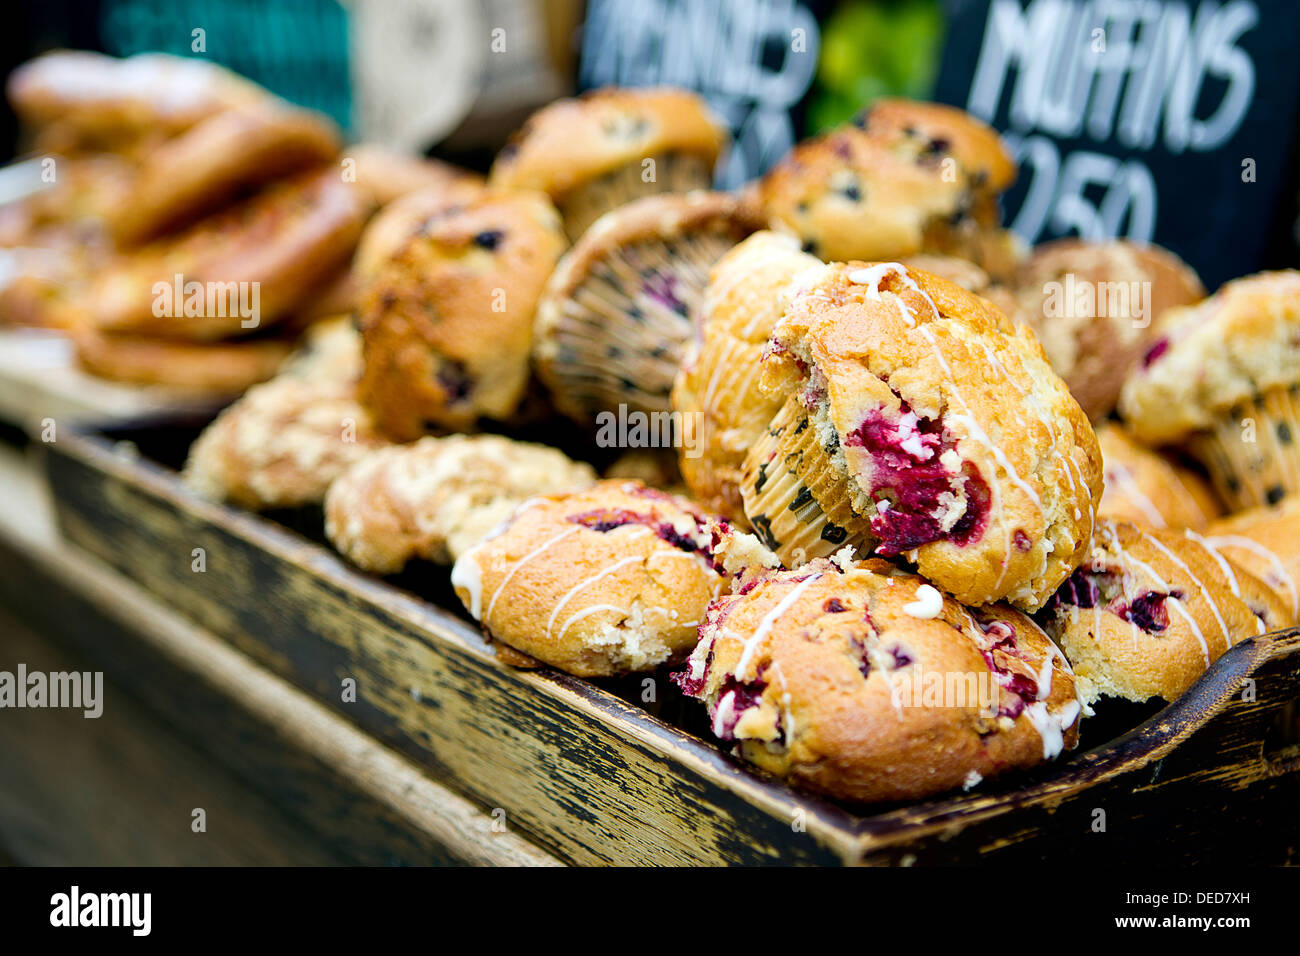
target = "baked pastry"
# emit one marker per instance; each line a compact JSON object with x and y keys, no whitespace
{"x":717,"y":387}
{"x":229,"y":152}
{"x":612,"y":579}
{"x":607,"y":147}
{"x":252,"y":262}
{"x":390,"y":229}
{"x":1151,"y":610}
{"x":228,"y":368}
{"x":616,"y":315}
{"x":329,"y":350}
{"x":1092,"y":305}
{"x":1145,"y":487}
{"x":386,"y":176}
{"x":866,"y":683}
{"x":655,"y":467}
{"x":1223,"y":378}
{"x":438,"y":497}
{"x":917,"y":421}
{"x":904,"y":178}
{"x":447,"y":322}
{"x":1266,"y":542}
{"x":281,"y":444}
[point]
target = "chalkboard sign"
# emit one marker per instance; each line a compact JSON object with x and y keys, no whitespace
{"x":1172,"y":121}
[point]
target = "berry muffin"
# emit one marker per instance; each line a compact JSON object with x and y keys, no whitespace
{"x":610,"y":146}
{"x":904,"y":178}
{"x":390,"y":229}
{"x":866,"y":683}
{"x":917,"y":422}
{"x":281,"y":445}
{"x":1266,"y":542}
{"x":438,"y":497}
{"x":1151,"y":610}
{"x":616,"y":315}
{"x":1223,"y":378}
{"x":717,"y":387}
{"x":604,"y":581}
{"x":1146,"y":488}
{"x":228,"y":368}
{"x":1092,"y":305}
{"x":447,"y":321}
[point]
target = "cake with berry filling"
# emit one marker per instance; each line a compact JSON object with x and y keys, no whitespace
{"x":917,"y":422}
{"x":616,"y":315}
{"x":866,"y":683}
{"x":1266,"y":542}
{"x":610,"y":146}
{"x":438,"y":497}
{"x":717,"y":387}
{"x":608,"y":580}
{"x":1150,"y":488}
{"x":1094,"y":306}
{"x":1151,"y":610}
{"x":447,"y":321}
{"x":1223,"y":379}
{"x":904,"y":178}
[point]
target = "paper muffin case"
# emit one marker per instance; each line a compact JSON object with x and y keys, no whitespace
{"x":1261,"y":472}
{"x":622,"y":333}
{"x":673,"y":173}
{"x":795,"y":499}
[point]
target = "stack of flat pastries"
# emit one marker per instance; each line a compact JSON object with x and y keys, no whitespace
{"x":931,"y":496}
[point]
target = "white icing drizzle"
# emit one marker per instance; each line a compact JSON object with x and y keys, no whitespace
{"x":1173,"y":602}
{"x":587,"y":582}
{"x":770,"y":619}
{"x":1214,"y":605}
{"x":587,"y":611}
{"x":1253,"y":546}
{"x":467,"y":574}
{"x":524,"y":560}
{"x":1218,"y":559}
{"x":872,"y":276}
{"x":928,"y":603}
{"x":1051,"y":727}
{"x":1124,"y":481}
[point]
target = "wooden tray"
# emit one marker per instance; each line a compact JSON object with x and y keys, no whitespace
{"x":597,"y":779}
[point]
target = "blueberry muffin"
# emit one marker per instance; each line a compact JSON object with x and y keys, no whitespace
{"x":1223,"y":378}
{"x":1093,"y":306}
{"x":604,"y":581}
{"x":866,"y":683}
{"x":1266,"y":542}
{"x":390,"y":229}
{"x":438,"y":497}
{"x":610,"y":146}
{"x":1151,"y":610}
{"x":616,"y":315}
{"x":447,"y":321}
{"x":917,"y":422}
{"x":1147,"y":488}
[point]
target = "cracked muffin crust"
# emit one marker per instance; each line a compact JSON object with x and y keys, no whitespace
{"x":918,"y":422}
{"x":1145,"y":487}
{"x":603,"y":581}
{"x":866,"y":683}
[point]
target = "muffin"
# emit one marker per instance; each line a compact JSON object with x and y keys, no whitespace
{"x":1092,"y":305}
{"x":438,"y":497}
{"x":865,"y":683}
{"x":1151,"y":610}
{"x":904,"y":178}
{"x":612,"y":579}
{"x":1223,"y":378}
{"x":447,"y":322}
{"x":918,"y":422}
{"x":390,"y":229}
{"x":1266,"y":542}
{"x":717,"y":387}
{"x":1146,"y":488}
{"x":228,"y":368}
{"x":281,"y":444}
{"x":610,"y":146}
{"x":616,"y":315}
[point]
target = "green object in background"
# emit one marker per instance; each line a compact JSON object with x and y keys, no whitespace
{"x":874,"y":48}
{"x":298,"y":49}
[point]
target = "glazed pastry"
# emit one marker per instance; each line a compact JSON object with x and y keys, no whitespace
{"x":217,"y":158}
{"x":278,"y":245}
{"x":1266,"y":542}
{"x":447,"y":322}
{"x":604,"y":581}
{"x":866,"y":683}
{"x":917,"y":422}
{"x":616,"y":315}
{"x":1093,"y":306}
{"x":1151,"y":610}
{"x":1223,"y":378}
{"x":717,"y":386}
{"x":228,"y":368}
{"x":386,"y":176}
{"x":438,"y":497}
{"x":1146,"y":488}
{"x":904,"y":178}
{"x":281,"y":445}
{"x":611,"y":146}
